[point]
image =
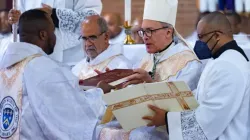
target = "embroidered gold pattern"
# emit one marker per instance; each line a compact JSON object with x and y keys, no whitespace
{"x":179,"y":96}
{"x":174,"y":94}
{"x":13,"y":84}
{"x":114,"y":134}
{"x":14,"y":69}
{"x":101,"y":67}
{"x":171,"y":66}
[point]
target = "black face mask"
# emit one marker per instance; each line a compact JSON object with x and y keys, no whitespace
{"x":201,"y":49}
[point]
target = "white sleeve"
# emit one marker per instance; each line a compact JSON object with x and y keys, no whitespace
{"x":71,"y":19}
{"x":189,"y":74}
{"x":223,"y":82}
{"x":61,"y":109}
{"x":76,"y":70}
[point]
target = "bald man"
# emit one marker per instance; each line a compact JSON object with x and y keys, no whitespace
{"x":223,"y":91}
{"x":100,"y":54}
{"x":136,"y":27}
{"x":116,"y":32}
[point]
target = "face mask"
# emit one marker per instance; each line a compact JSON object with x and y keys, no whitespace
{"x":202,"y":51}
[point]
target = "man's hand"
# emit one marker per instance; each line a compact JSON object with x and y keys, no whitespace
{"x":99,"y":72}
{"x":105,"y":87}
{"x":14,"y":16}
{"x":158,"y":119}
{"x":140,"y":76}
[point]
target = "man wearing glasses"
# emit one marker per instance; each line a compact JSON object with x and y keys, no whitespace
{"x":170,"y":58}
{"x":67,"y":16}
{"x":100,"y":55}
{"x":223,"y":91}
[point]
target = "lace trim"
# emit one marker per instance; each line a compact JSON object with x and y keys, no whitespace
{"x":191,"y":130}
{"x":70,"y":20}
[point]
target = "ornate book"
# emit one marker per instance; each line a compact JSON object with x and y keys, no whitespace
{"x":114,"y":77}
{"x":129,"y":105}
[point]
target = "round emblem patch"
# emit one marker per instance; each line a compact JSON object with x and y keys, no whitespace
{"x":9,"y":115}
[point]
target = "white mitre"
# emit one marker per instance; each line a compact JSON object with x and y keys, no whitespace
{"x":163,"y":11}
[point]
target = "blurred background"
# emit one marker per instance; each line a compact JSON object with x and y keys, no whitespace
{"x":188,"y":11}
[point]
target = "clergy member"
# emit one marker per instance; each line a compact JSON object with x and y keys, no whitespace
{"x":67,"y":16}
{"x":39,"y":98}
{"x":168,"y":59}
{"x":116,"y":32}
{"x":223,"y":92}
{"x":100,"y":54}
{"x":5,"y":31}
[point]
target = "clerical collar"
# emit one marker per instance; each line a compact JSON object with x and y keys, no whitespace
{"x":165,"y":48}
{"x":230,"y":46}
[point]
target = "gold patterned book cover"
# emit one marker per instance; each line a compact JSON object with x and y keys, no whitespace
{"x":129,"y":105}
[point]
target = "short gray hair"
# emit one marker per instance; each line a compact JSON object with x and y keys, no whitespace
{"x":102,"y":25}
{"x":169,"y":26}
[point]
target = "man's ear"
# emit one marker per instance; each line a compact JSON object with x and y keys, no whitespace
{"x":217,"y":35}
{"x":43,"y":35}
{"x":169,"y":33}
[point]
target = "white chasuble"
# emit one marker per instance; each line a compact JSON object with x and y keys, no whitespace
{"x":111,"y":58}
{"x":11,"y":99}
{"x":177,"y":63}
{"x":52,"y":104}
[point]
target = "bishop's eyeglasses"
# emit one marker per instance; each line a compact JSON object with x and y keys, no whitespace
{"x":149,"y":32}
{"x":91,"y":38}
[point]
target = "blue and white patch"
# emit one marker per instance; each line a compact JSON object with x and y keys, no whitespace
{"x":9,"y":115}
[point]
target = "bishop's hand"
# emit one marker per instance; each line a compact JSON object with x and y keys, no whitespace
{"x":105,"y":87}
{"x":140,"y":76}
{"x":159,"y":119}
{"x":99,"y":72}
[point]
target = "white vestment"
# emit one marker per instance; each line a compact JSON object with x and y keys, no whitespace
{"x":241,"y":38}
{"x":223,"y":96}
{"x":70,"y":14}
{"x":119,"y":39}
{"x":189,"y":72}
{"x":53,"y":105}
{"x":111,"y":58}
